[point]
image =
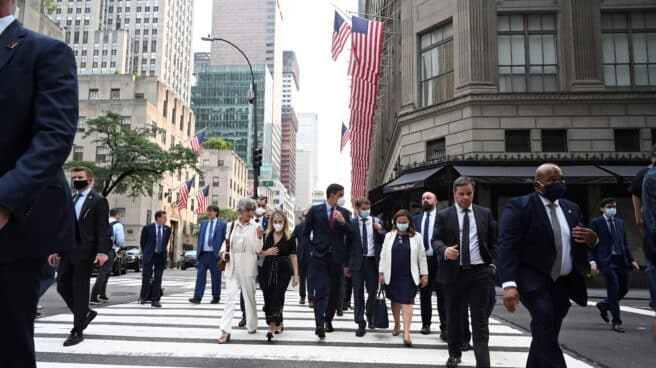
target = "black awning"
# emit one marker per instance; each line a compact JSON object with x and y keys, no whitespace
{"x":411,"y":180}
{"x":587,"y":174}
{"x":626,"y":172}
{"x":574,"y":174}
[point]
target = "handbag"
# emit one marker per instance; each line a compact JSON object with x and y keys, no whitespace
{"x":221,"y":264}
{"x":380,"y":315}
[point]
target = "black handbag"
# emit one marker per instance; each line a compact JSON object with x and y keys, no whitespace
{"x":380,"y":315}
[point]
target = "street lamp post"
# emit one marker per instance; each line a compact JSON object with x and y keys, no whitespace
{"x":256,"y":153}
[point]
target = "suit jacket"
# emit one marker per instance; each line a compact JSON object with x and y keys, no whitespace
{"x":327,"y":242}
{"x":354,"y":244}
{"x":39,"y":104}
{"x":149,"y":241}
{"x":418,"y":264}
{"x":93,"y":230}
{"x":447,"y":233}
{"x":303,"y":246}
{"x":217,"y":240}
{"x":602,"y":253}
{"x":527,"y":250}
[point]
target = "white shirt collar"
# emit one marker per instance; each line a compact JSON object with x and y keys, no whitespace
{"x":5,"y":22}
{"x":460,"y":209}
{"x":84,"y":193}
{"x":547,"y":202}
{"x":608,"y":218}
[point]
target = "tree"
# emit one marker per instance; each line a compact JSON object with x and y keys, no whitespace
{"x":49,"y":6}
{"x":133,"y":163}
{"x":218,"y":143}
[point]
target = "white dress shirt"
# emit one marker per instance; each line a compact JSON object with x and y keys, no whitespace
{"x":80,"y":201}
{"x":431,"y":228}
{"x":5,"y":22}
{"x":207,"y":247}
{"x":370,"y":235}
{"x":474,"y":251}
{"x":119,"y":234}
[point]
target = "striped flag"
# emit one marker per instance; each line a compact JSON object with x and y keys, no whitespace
{"x":197,"y":141}
{"x":185,"y":188}
{"x":366,"y":48}
{"x":203,"y":199}
{"x":341,"y":33}
{"x":346,"y":136}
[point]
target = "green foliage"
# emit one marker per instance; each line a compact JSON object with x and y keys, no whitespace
{"x":50,"y":6}
{"x":218,"y":143}
{"x":134,"y":162}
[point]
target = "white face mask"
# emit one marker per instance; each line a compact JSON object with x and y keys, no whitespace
{"x":341,"y":202}
{"x":260,"y":211}
{"x":278,"y":227}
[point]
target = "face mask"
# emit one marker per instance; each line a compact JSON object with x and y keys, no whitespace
{"x":611,"y":212}
{"x":260,"y":211}
{"x":341,"y":202}
{"x":364,"y":213}
{"x":277,"y":227}
{"x":402,"y":227}
{"x":80,"y":184}
{"x":554,"y":191}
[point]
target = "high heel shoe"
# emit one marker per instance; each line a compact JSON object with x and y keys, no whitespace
{"x":396,"y":332}
{"x":269,"y":336}
{"x":406,"y":341}
{"x":279,"y":330}
{"x":224,"y":338}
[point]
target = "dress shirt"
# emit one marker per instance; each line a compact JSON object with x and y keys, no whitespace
{"x":5,"y":22}
{"x":243,"y":236}
{"x":328,"y":207}
{"x":207,"y":247}
{"x":119,"y":234}
{"x":80,"y":201}
{"x":370,"y":235}
{"x":159,"y":237}
{"x":431,"y":228}
{"x":474,"y":252}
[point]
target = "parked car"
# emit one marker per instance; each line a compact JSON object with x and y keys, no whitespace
{"x":188,"y":259}
{"x":132,"y":255}
{"x":118,"y":268}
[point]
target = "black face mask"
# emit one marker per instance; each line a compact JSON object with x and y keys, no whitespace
{"x":554,"y":191}
{"x":80,"y":184}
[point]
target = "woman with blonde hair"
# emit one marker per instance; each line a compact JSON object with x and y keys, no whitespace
{"x":402,"y":267}
{"x":280,"y":263}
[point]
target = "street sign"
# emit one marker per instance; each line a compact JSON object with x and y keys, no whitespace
{"x":267,"y":183}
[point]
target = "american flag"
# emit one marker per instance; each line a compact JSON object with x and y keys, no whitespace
{"x":185,"y":188}
{"x":366,"y":47}
{"x":197,"y":141}
{"x":346,"y":136}
{"x":341,"y":33}
{"x":203,"y":199}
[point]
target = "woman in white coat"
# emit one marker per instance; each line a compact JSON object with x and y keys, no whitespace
{"x":240,"y":250}
{"x":402,"y":268}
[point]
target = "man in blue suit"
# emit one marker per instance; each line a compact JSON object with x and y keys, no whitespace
{"x":612,"y":257}
{"x":329,"y":225}
{"x":39,"y":104}
{"x":363,"y":248}
{"x":542,"y":261}
{"x":154,"y":241}
{"x":210,"y":239}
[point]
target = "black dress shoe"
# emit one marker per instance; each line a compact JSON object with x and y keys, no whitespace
{"x":361,"y":331}
{"x":618,"y":328}
{"x":194,"y":301}
{"x":444,"y":335}
{"x":242,"y":322}
{"x":74,"y":338}
{"x":329,"y":327}
{"x":90,"y":316}
{"x":452,"y":362}
{"x":142,"y":301}
{"x":370,"y":325}
{"x":155,"y":304}
{"x":269,"y":336}
{"x":603,"y":312}
{"x":340,"y":313}
{"x":425,"y":330}
{"x":94,"y":301}
{"x":103,"y":298}
{"x":215,"y":300}
{"x":319,"y":331}
{"x":466,"y":347}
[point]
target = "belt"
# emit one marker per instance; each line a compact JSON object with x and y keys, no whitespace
{"x":369,"y":258}
{"x":473,"y":267}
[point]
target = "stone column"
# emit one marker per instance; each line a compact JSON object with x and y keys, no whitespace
{"x":408,"y":57}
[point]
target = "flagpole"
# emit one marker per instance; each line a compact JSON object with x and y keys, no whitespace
{"x":345,"y":14}
{"x":195,"y":134}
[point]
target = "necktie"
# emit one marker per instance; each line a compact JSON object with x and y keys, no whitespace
{"x":365,"y":238}
{"x":613,"y":235}
{"x":558,"y":242}
{"x":331,"y":220}
{"x":464,"y":241}
{"x":159,"y":239}
{"x":425,"y":231}
{"x":76,"y":198}
{"x":210,"y":237}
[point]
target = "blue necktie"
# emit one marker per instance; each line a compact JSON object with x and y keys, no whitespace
{"x":426,"y":228}
{"x":613,"y":233}
{"x":365,"y":243}
{"x":210,"y":237}
{"x":159,"y":239}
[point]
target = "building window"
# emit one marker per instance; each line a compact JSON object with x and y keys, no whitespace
{"x":149,"y":216}
{"x":78,"y":153}
{"x":554,"y":140}
{"x":102,"y":154}
{"x":653,"y":137}
{"x":201,"y":181}
{"x":518,"y":141}
{"x":126,"y":121}
{"x":436,"y":69}
{"x":215,"y":200}
{"x":206,"y":162}
{"x":114,"y":94}
{"x":215,"y":181}
{"x":528,"y":59}
{"x":629,"y":48}
{"x":221,"y":163}
{"x":436,"y":150}
{"x":93,"y":94}
{"x":81,"y":123}
{"x":160,"y":193}
{"x":627,"y":140}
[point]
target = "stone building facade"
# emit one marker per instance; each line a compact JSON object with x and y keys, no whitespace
{"x":227,"y":176}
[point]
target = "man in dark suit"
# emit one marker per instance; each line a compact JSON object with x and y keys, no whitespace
{"x":542,"y":261}
{"x":304,"y":254}
{"x":329,"y":225}
{"x":466,"y":242}
{"x":425,"y":224}
{"x":39,"y":104}
{"x":210,"y":239}
{"x":154,"y":242}
{"x":363,"y":255}
{"x":93,"y":245}
{"x":612,"y":257}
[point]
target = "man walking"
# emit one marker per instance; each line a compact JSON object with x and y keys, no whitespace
{"x":99,"y":290}
{"x":210,"y":239}
{"x":649,"y":221}
{"x":304,"y":254}
{"x":154,"y":243}
{"x":40,"y":113}
{"x":93,"y":245}
{"x":466,"y":242}
{"x":329,"y":225}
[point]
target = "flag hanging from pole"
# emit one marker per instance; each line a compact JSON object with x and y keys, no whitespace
{"x":185,"y":189}
{"x":341,"y":33}
{"x":203,"y":199}
{"x":366,"y":47}
{"x":346,"y":136}
{"x":197,"y":141}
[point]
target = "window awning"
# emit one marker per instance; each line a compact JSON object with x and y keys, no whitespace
{"x":574,"y":174}
{"x":626,"y":172}
{"x":411,"y":180}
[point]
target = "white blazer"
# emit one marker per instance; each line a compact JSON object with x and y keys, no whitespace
{"x":418,"y":264}
{"x":244,"y":263}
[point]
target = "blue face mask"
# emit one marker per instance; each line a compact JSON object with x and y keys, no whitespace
{"x":611,"y":212}
{"x":365,"y":213}
{"x":554,"y":191}
{"x":402,"y":227}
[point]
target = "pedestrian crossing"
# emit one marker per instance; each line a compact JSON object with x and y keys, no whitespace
{"x":181,"y":334}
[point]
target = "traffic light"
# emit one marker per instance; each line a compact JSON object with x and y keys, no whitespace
{"x":257,"y":159}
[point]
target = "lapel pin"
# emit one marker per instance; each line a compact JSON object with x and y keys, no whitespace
{"x":11,"y":44}
{"x":569,"y":211}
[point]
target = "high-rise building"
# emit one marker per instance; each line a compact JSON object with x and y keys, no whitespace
{"x":288,"y":156}
{"x":144,"y":37}
{"x":290,"y":79}
{"x":307,"y":139}
{"x":304,"y":179}
{"x":201,"y":60}
{"x":33,"y":16}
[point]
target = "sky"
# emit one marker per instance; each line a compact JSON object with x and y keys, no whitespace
{"x":324,"y":86}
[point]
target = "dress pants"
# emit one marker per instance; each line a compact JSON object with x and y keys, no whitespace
{"x":73,"y":286}
{"x":47,"y":276}
{"x":326,"y":279}
{"x":617,"y":286}
{"x":156,"y":266}
{"x":305,"y":288}
{"x":426,"y":294}
{"x":207,"y":261}
{"x":345,"y":293}
{"x":548,"y":307}
{"x":366,"y":277}
{"x":651,"y":278}
{"x":100,"y":286}
{"x":235,"y":284}
{"x":470,"y":289}
{"x":492,"y":300}
{"x":19,"y":287}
